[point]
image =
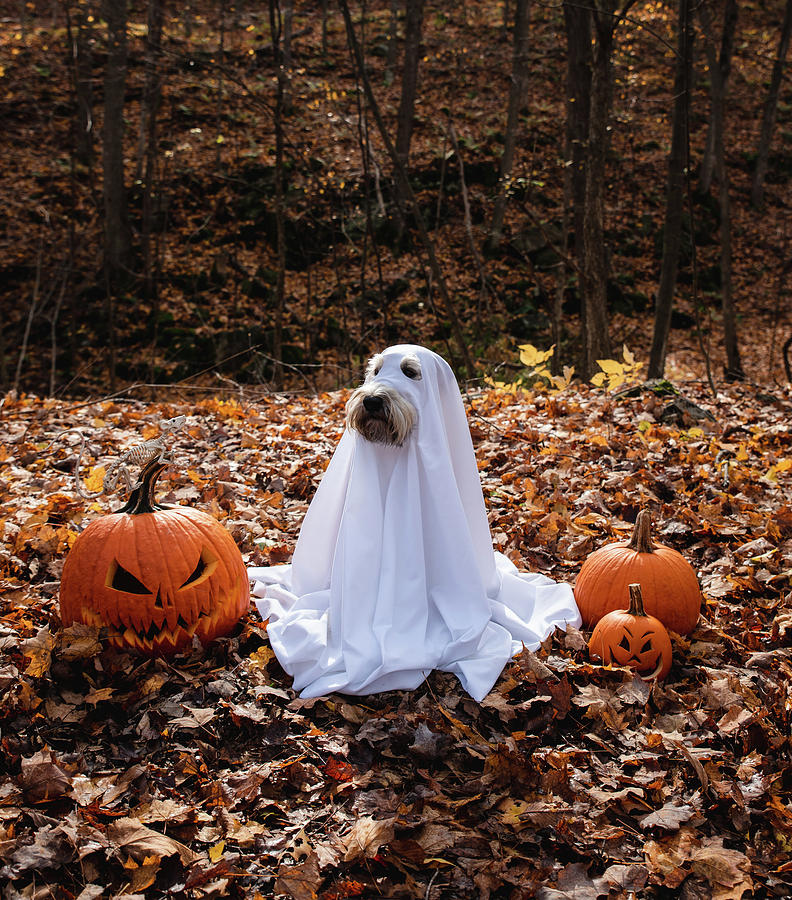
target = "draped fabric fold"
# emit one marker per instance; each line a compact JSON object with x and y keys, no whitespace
{"x":394,"y":573}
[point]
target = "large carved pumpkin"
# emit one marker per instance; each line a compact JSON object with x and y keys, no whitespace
{"x":629,"y":637}
{"x":670,"y":587}
{"x":155,"y":577}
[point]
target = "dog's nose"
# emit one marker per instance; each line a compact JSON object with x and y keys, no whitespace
{"x":372,"y":404}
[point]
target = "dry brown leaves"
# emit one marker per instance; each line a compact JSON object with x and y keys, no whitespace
{"x":206,"y":776}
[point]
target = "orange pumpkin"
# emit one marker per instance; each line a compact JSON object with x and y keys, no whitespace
{"x":631,"y":638}
{"x":154,"y":576}
{"x":670,"y":587}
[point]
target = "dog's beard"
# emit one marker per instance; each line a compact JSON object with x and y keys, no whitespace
{"x":391,"y":424}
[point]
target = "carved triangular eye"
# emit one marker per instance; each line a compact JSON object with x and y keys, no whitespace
{"x":197,"y":572}
{"x":647,"y":646}
{"x":121,"y":580}
{"x":204,"y":568}
{"x":624,"y":643}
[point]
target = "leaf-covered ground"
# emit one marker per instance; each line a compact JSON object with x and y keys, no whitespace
{"x":206,"y":776}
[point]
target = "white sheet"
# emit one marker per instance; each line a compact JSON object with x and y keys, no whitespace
{"x":394,"y":572}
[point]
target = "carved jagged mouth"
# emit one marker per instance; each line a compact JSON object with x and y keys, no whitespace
{"x":153,"y":638}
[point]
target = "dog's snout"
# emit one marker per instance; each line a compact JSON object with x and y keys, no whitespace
{"x":373,"y":404}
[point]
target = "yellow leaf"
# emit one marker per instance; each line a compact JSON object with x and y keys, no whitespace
{"x":532,"y":356}
{"x":628,"y":357}
{"x":598,"y":380}
{"x":610,"y":366}
{"x":217,"y":851}
{"x":95,"y":480}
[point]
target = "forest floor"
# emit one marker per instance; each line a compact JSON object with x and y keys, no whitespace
{"x":206,"y":776}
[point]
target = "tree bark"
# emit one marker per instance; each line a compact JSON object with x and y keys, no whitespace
{"x":409,"y":87}
{"x":733,"y":368}
{"x":770,"y":109}
{"x":675,"y":192}
{"x":392,"y":53}
{"x":152,"y":95}
{"x":596,"y":338}
{"x":723,"y":65}
{"x":117,"y":231}
{"x":518,"y":90}
{"x":82,"y":73}
{"x":276,"y":27}
{"x":577,"y":20}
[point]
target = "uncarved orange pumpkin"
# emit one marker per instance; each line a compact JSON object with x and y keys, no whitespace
{"x":669,"y":585}
{"x":629,"y":637}
{"x":155,"y":577}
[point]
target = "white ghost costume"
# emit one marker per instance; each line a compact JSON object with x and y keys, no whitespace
{"x":394,"y":572}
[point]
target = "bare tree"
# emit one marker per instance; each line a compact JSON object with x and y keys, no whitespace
{"x":392,"y":53}
{"x":518,"y":89}
{"x":675,"y":191}
{"x":606,"y":16}
{"x":577,"y":23}
{"x":276,"y":29}
{"x":79,"y":33}
{"x":117,"y":231}
{"x":770,"y":109}
{"x":723,"y":65}
{"x":413,"y":26}
{"x":152,"y":95}
{"x":718,"y":95}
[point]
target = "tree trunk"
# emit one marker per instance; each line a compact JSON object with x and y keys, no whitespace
{"x":577,"y":19}
{"x":518,"y":90}
{"x":280,"y":295}
{"x":152,"y":94}
{"x":81,"y":64}
{"x":733,"y":368}
{"x":770,"y":109}
{"x":596,"y":338}
{"x":409,"y":86}
{"x":392,"y":53}
{"x":723,"y":65}
{"x":675,"y":192}
{"x":286,"y":53}
{"x":117,"y":232}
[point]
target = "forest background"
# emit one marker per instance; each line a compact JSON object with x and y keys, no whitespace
{"x":271,"y":193}
{"x":219,"y":212}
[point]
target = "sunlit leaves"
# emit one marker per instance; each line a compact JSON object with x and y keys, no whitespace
{"x":615,"y":374}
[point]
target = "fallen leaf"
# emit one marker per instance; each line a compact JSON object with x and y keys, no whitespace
{"x":366,"y":837}
{"x":301,"y":881}
{"x":131,"y":836}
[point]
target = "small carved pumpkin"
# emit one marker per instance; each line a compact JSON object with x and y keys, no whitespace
{"x":154,"y":576}
{"x":632,"y":638}
{"x":670,"y":587}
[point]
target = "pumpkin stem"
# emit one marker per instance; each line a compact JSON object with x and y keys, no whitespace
{"x":141,"y":500}
{"x":641,"y":540}
{"x":636,"y":601}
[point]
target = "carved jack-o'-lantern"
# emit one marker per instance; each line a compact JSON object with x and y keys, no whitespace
{"x":155,"y":577}
{"x":631,"y":638}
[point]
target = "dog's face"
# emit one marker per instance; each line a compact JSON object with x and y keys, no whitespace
{"x":380,"y":409}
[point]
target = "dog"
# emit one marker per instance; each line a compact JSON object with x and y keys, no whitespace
{"x":377,"y":410}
